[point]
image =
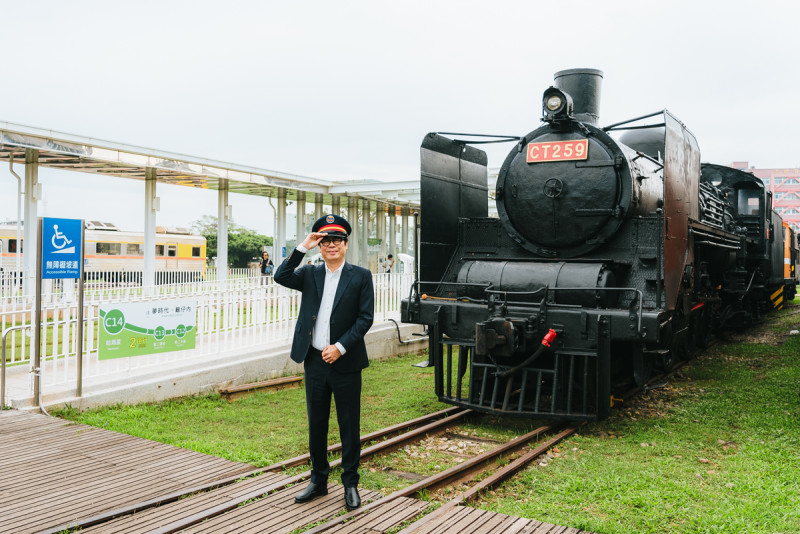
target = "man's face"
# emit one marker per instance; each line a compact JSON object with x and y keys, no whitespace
{"x":333,"y":248}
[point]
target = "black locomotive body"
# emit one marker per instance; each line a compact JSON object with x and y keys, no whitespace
{"x":608,"y":257}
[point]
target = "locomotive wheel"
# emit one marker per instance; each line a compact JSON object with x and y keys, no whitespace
{"x":642,"y":364}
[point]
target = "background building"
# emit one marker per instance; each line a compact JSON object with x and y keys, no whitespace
{"x":785,"y":187}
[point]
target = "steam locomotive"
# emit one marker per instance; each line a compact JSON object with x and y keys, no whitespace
{"x":611,"y":256}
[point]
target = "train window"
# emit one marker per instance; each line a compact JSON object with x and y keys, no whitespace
{"x":159,"y":250}
{"x":748,"y":202}
{"x":172,"y":250}
{"x":195,"y":252}
{"x":135,"y":249}
{"x":12,"y":245}
{"x":110,"y":249}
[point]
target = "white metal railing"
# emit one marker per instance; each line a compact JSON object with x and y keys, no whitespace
{"x":103,"y":283}
{"x":240,"y":313}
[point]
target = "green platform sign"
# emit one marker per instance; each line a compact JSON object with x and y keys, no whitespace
{"x":139,"y":328}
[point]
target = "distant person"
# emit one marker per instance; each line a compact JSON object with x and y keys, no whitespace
{"x":388,"y":264}
{"x":266,"y":266}
{"x":336,"y":311}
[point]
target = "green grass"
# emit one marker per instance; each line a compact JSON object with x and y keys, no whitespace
{"x":718,"y":450}
{"x":715,"y":451}
{"x":264,"y":428}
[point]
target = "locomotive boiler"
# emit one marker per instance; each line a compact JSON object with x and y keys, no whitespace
{"x":608,"y":258}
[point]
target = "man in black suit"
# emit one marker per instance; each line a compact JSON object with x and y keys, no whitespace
{"x":336,"y":312}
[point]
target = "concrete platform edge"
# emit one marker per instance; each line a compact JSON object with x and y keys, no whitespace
{"x":241,"y":368}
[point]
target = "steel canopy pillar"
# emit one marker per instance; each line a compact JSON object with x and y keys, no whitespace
{"x":404,"y":231}
{"x":150,"y":208}
{"x":300,"y":208}
{"x":281,"y":230}
{"x":352,"y":218}
{"x":380,"y":228}
{"x":364,"y":248}
{"x":33,"y":192}
{"x":223,"y":214}
{"x":393,"y":233}
{"x":317,"y":206}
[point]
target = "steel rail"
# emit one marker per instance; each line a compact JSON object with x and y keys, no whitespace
{"x":297,"y":460}
{"x":384,"y":446}
{"x":452,"y":414}
{"x":499,"y":476}
{"x":440,"y":478}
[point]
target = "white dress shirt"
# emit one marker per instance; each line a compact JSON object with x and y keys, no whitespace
{"x":321,"y":335}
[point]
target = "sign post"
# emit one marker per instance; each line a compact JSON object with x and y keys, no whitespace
{"x":60,"y":256}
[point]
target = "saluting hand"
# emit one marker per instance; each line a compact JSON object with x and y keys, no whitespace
{"x":313,"y":239}
{"x":330,"y":354}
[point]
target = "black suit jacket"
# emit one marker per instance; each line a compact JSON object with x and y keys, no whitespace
{"x":352,"y":314}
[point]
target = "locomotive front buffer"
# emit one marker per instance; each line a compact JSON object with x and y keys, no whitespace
{"x":537,"y":360}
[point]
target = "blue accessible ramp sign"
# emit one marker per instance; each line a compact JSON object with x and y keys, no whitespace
{"x":61,"y":248}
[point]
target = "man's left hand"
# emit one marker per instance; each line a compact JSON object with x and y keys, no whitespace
{"x":330,"y":354}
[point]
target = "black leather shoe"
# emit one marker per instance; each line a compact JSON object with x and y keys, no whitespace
{"x":351,"y":498}
{"x":311,"y":492}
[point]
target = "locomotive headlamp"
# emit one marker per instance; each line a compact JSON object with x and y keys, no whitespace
{"x":556,"y":105}
{"x":553,"y":103}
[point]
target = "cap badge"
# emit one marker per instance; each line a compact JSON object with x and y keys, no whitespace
{"x":329,"y":219}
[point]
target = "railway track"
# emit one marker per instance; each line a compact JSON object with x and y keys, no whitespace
{"x":520,"y":450}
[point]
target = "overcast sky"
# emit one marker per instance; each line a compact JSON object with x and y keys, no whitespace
{"x":347,"y":89}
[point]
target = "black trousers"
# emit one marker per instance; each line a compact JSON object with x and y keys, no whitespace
{"x":322,"y":380}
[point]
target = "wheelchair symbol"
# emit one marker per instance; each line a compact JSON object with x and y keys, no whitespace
{"x":60,"y":237}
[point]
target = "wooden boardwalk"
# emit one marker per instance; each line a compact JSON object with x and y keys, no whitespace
{"x":466,"y":520}
{"x":55,"y":472}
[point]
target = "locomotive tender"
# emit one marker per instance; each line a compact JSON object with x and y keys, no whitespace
{"x":609,"y":257}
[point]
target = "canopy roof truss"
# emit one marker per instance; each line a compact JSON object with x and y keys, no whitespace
{"x":65,"y":151}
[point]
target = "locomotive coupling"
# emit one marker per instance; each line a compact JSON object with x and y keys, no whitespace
{"x":495,"y":336}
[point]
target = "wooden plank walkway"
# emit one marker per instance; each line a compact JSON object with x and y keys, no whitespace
{"x":161,"y":516}
{"x":278,"y":513}
{"x":467,"y":520}
{"x":56,"y":471}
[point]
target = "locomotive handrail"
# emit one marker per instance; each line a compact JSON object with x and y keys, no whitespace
{"x":416,"y":286}
{"x":501,"y":138}
{"x":653,"y":160}
{"x":613,"y":126}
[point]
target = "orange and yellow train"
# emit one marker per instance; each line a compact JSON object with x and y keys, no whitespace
{"x":110,"y":253}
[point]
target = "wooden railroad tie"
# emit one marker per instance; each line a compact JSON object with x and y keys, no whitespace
{"x":234,"y":392}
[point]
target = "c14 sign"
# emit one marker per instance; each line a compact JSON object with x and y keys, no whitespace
{"x":558,"y":151}
{"x":138,"y":328}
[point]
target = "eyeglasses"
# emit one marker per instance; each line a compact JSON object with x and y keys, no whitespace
{"x":335,"y":241}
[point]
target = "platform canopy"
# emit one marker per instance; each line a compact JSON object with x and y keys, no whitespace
{"x":59,"y":150}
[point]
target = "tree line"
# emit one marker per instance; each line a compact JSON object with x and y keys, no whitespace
{"x":244,"y":244}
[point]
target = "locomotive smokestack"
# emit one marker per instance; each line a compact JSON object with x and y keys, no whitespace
{"x":583,"y":85}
